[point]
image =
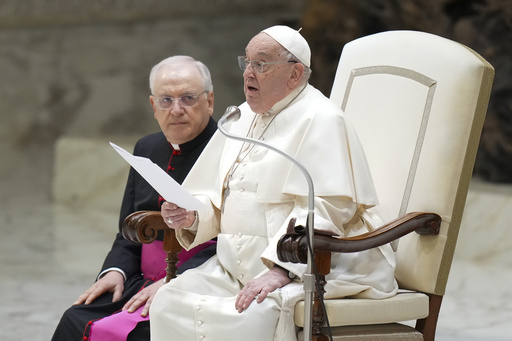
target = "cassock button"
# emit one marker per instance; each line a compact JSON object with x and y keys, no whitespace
{"x":238,"y":262}
{"x":199,"y":323}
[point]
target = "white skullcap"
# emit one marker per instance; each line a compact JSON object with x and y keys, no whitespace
{"x":291,"y":40}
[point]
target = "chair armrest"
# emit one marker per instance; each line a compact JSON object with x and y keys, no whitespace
{"x":143,"y":226}
{"x":292,"y":247}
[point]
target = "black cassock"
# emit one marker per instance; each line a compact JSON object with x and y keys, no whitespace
{"x":126,"y":255}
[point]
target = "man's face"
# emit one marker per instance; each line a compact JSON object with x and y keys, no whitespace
{"x":263,"y":90}
{"x":181,"y":123}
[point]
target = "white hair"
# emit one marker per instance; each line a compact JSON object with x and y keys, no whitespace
{"x":203,"y":70}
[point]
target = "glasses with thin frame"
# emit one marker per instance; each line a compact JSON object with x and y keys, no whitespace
{"x":258,"y":65}
{"x":186,"y":100}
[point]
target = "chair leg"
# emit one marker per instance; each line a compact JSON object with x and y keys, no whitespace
{"x":172,"y":247}
{"x":323,"y":266}
{"x":427,"y":326}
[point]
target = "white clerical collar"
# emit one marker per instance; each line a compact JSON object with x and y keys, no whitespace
{"x":282,"y":104}
{"x":175,"y":146}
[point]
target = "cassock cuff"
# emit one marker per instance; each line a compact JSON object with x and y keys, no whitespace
{"x":104,"y":272}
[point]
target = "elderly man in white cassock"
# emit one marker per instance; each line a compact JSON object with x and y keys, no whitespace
{"x":245,"y":292}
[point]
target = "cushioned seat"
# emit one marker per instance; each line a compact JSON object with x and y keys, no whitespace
{"x":402,"y":307}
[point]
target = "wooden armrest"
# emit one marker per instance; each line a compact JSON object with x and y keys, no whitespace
{"x":143,"y":227}
{"x":292,"y":247}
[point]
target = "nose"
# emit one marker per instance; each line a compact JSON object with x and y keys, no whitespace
{"x":248,"y":71}
{"x":176,"y":108}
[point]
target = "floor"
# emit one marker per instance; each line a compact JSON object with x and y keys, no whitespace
{"x":50,"y":253}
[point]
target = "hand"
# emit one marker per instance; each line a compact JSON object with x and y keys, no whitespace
{"x":113,"y":282}
{"x":145,"y":296}
{"x":260,"y":287}
{"x":176,"y":217}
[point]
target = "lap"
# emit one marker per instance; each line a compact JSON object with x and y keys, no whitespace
{"x":74,"y":322}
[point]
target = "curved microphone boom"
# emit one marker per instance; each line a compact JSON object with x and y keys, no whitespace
{"x":233,"y":114}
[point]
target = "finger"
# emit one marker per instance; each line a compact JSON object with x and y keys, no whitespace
{"x":91,"y":297}
{"x":82,"y":298}
{"x":130,"y":302}
{"x":245,"y":300}
{"x":118,"y":293}
{"x":145,"y":311}
{"x":238,"y":299}
{"x":135,"y":305}
{"x":168,"y":206}
{"x":262,"y":295}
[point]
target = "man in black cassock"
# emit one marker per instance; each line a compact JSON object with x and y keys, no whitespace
{"x":182,"y":100}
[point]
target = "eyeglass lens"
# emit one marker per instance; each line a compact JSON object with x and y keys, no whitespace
{"x":187,"y":100}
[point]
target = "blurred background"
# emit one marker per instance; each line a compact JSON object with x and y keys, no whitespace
{"x":74,"y":75}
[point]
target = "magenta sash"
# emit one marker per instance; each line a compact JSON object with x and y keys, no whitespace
{"x":116,"y":327}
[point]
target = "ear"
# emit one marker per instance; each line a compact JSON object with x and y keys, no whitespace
{"x":210,"y":100}
{"x":152,"y":101}
{"x":296,"y":75}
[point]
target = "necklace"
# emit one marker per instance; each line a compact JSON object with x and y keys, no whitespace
{"x":247,"y":147}
{"x":244,"y":151}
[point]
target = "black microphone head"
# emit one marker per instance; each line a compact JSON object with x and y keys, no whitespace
{"x":232,"y":113}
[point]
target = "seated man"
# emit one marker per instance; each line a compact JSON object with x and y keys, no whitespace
{"x":116,"y":306}
{"x":251,"y":193}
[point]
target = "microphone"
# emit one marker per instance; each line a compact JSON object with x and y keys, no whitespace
{"x":233,"y":114}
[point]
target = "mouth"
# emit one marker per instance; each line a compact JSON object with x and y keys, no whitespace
{"x":251,"y":88}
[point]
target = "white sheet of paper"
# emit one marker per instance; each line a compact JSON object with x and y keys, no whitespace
{"x":166,"y":186}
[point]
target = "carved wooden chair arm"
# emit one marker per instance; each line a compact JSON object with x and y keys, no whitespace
{"x":292,"y":247}
{"x":143,"y":227}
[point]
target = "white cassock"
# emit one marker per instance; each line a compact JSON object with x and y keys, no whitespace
{"x":260,"y":191}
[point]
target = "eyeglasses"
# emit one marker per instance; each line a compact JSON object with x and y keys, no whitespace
{"x":187,"y":100}
{"x":258,"y":65}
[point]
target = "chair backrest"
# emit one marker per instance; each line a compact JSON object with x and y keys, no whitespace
{"x":417,"y":102}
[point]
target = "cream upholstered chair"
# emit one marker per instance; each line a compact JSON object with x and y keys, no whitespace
{"x":417,"y":102}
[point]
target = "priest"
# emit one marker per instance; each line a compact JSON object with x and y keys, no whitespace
{"x":115,"y":307}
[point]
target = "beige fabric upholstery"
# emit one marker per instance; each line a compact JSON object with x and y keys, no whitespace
{"x":346,"y":312}
{"x":416,"y":99}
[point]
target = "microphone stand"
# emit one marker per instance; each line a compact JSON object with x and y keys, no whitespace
{"x":233,"y":113}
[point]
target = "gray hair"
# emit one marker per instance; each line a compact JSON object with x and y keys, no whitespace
{"x":203,"y":70}
{"x":291,"y":57}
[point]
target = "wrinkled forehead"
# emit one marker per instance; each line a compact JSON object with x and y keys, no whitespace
{"x":264,"y":47}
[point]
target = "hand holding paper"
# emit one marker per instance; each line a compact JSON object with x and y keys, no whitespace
{"x":166,"y":186}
